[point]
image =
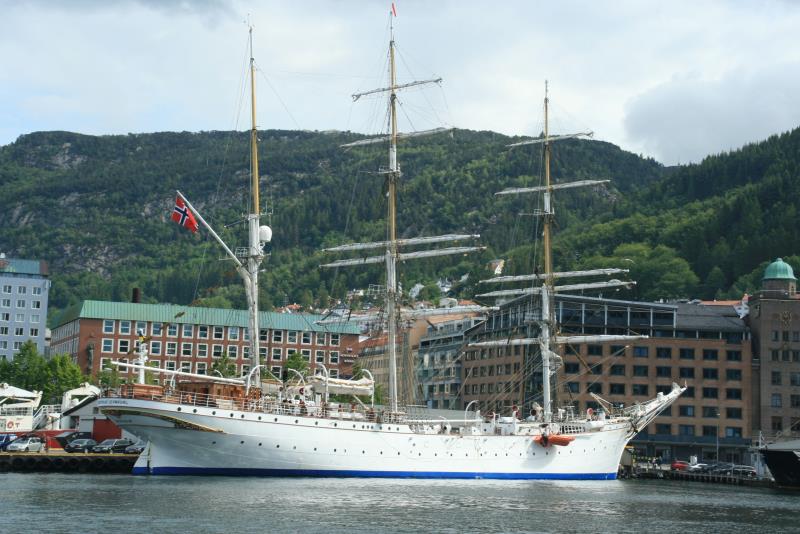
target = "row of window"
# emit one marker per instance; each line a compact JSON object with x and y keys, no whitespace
{"x":644,"y":390}
{"x":709,"y":412}
{"x":234,"y":333}
{"x":783,"y":335}
{"x":709,"y":373}
{"x":640,"y":351}
{"x":5,"y":317}
{"x":21,"y":304}
{"x":709,"y":431}
{"x":19,"y":331}
{"x":492,"y":370}
{"x":776,"y":401}
{"x":21,"y":290}
{"x":777,"y":378}
{"x":784,"y":355}
{"x":201,"y":350}
{"x":16,"y":345}
{"x":491,"y":387}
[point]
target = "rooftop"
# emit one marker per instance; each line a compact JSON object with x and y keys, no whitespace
{"x":173,"y":313}
{"x":20,"y":266}
{"x":779,"y":270}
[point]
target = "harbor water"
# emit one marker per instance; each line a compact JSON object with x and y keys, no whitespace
{"x":122,"y":503}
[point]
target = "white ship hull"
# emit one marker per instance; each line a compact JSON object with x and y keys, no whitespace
{"x":188,"y":440}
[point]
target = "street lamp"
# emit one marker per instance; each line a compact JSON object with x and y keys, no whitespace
{"x":718,"y":414}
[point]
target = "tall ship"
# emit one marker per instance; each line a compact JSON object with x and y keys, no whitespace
{"x":202,"y":425}
{"x":783,"y":460}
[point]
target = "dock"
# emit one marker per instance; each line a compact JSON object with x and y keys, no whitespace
{"x":708,"y":478}
{"x":64,"y":462}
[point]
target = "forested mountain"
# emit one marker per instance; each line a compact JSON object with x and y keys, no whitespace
{"x":97,"y":209}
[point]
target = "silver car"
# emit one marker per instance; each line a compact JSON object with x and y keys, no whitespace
{"x":26,"y":444}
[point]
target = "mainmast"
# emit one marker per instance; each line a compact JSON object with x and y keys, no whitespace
{"x":391,"y":244}
{"x":547,"y":288}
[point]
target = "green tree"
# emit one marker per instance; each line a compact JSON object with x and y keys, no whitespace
{"x":225,"y":366}
{"x":32,"y":371}
{"x":715,"y":283}
{"x":297,"y":362}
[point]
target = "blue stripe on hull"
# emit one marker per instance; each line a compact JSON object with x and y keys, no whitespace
{"x":367,"y":474}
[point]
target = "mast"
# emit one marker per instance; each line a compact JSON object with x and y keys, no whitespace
{"x":547,"y":289}
{"x":255,"y":247}
{"x":391,"y":244}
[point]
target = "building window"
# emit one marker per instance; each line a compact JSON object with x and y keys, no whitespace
{"x":172,"y":348}
{"x":776,"y":378}
{"x":596,"y":369}
{"x":664,"y":353}
{"x":664,"y":429}
{"x":246,"y":352}
{"x":202,"y":350}
{"x":172,"y":330}
{"x":291,"y":337}
{"x":108,"y":326}
{"x":277,"y":354}
{"x":306,"y":354}
{"x":594,"y":350}
{"x":334,"y":356}
{"x":617,"y":370}
{"x":710,"y":354}
{"x":233,"y":333}
{"x":105,"y":363}
{"x":733,"y":355}
{"x":571,"y":368}
{"x":7,"y":317}
{"x":155,"y":347}
{"x":186,"y":349}
{"x":639,"y":389}
{"x":277,"y":336}
{"x":733,"y":374}
{"x":169,"y":365}
{"x":689,"y":393}
{"x":710,"y":412}
{"x":233,"y":351}
{"x":33,"y":332}
{"x":733,"y":413}
{"x":686,"y":411}
{"x":306,"y":338}
{"x":573,"y":387}
{"x":776,"y":401}
{"x":21,"y":290}
{"x":334,"y":373}
{"x":186,"y":367}
{"x":276,"y":371}
{"x":794,"y":379}
{"x":201,"y":368}
{"x":188,"y":330}
{"x":709,"y":431}
{"x":335,"y":340}
{"x":155,"y":329}
{"x":125,"y":327}
{"x":686,"y":430}
{"x":686,"y":354}
{"x":35,"y":319}
{"x":640,"y":352}
{"x":616,"y":389}
{"x":710,"y":373}
{"x":639,"y":370}
{"x":710,"y":393}
{"x":123,"y":346}
{"x":19,"y":331}
{"x":664,"y":372}
{"x":596,"y":388}
{"x":733,"y":432}
{"x":686,"y":372}
{"x":202,"y":331}
{"x":19,"y":318}
{"x":219,"y":332}
{"x":6,"y":303}
{"x":319,"y":356}
{"x":7,"y":290}
{"x":216,"y":351}
{"x":320,"y":338}
{"x":108,"y":345}
{"x":21,"y":303}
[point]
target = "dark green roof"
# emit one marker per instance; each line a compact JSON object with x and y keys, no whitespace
{"x":173,"y":313}
{"x":779,"y":270}
{"x":18,"y":266}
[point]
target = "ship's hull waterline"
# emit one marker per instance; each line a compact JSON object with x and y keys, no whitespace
{"x":188,"y":440}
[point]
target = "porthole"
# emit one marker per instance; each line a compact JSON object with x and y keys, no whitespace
{"x":277,"y":446}
{"x":316,"y":422}
{"x":195,"y":410}
{"x":259,"y":444}
{"x":294,"y":448}
{"x":335,"y":424}
{"x":354,"y":426}
{"x":214,"y":412}
{"x":213,"y":442}
{"x":179,"y":408}
{"x":259,"y":418}
{"x":231,"y":415}
{"x":276,"y":419}
{"x":398,"y":454}
{"x":241,"y":442}
{"x":315,"y":449}
{"x":242,"y":416}
{"x":334,"y":450}
{"x":295,"y":421}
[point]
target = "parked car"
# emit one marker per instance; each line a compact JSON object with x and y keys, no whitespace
{"x":136,"y":448}
{"x":679,"y":465}
{"x":744,"y":471}
{"x":26,"y":444}
{"x":6,"y":439}
{"x":697,"y":468}
{"x":112,"y":445}
{"x":80,"y":445}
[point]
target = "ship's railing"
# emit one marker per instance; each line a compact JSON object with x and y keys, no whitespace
{"x":10,"y":410}
{"x":266,"y":405}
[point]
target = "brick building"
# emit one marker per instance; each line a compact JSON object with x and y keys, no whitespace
{"x":705,"y":346}
{"x":775,"y":321}
{"x":24,"y":287}
{"x":192,"y":338}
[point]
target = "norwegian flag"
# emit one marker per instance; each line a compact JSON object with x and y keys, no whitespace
{"x":182,"y":215}
{"x":394,"y":10}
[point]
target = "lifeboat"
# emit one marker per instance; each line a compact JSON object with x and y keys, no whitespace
{"x":545,"y":440}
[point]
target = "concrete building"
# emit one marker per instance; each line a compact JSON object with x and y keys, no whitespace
{"x":24,"y":288}
{"x":188,"y":338}
{"x":705,"y":346}
{"x":775,"y":322}
{"x":439,"y":361}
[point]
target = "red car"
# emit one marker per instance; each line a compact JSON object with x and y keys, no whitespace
{"x":679,"y":465}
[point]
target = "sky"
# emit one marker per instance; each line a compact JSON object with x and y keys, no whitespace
{"x":675,"y":80}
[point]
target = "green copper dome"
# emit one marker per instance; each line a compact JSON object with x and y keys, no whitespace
{"x":779,"y":270}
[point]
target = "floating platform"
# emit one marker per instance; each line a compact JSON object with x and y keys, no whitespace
{"x":709,"y":478}
{"x":64,"y":462}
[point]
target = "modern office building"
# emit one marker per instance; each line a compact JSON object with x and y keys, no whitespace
{"x":707,"y":347}
{"x":24,"y":287}
{"x":190,"y":339}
